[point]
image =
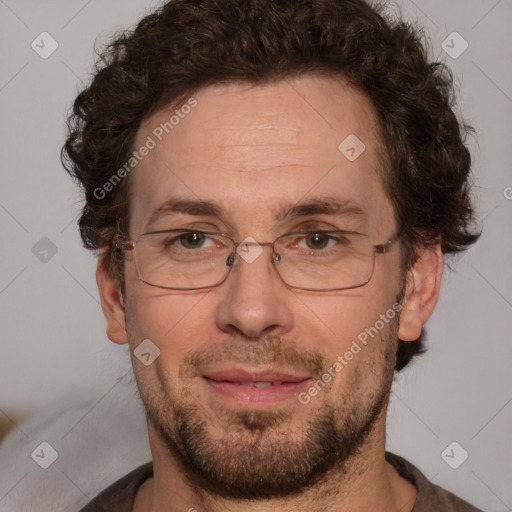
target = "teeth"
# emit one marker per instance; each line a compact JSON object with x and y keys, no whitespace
{"x":251,"y":384}
{"x":262,"y":384}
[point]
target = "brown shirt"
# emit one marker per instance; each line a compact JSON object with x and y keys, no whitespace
{"x":120,"y":496}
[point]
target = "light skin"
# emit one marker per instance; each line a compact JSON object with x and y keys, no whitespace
{"x":256,"y":151}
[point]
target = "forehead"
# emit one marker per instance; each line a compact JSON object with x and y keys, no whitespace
{"x":254,"y":148}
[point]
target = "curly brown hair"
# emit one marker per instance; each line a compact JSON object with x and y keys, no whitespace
{"x":189,"y":44}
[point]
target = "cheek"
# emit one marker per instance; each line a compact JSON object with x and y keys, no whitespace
{"x":175,"y":323}
{"x":361,"y":354}
{"x":356,"y":332}
{"x":338,"y":320}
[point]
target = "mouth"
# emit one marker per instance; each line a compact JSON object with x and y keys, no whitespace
{"x":246,"y":388}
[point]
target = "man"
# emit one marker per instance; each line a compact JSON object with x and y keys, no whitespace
{"x":272,"y":187}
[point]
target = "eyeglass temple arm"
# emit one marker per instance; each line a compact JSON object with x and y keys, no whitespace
{"x":383,"y":248}
{"x":123,"y":244}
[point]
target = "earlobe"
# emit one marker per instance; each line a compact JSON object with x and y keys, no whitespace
{"x":421,"y":292}
{"x":112,"y":304}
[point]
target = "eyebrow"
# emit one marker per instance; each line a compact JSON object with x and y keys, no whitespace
{"x":319,"y":206}
{"x":187,"y":207}
{"x":315,"y":206}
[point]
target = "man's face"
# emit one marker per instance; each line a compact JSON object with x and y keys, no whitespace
{"x":257,"y":151}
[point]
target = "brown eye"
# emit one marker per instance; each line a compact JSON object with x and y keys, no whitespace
{"x":192,"y":240}
{"x":317,"y":241}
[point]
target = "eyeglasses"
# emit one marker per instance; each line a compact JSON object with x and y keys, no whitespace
{"x":184,"y":259}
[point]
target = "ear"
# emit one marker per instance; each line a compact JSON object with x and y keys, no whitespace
{"x":112,"y":303}
{"x":421,"y":292}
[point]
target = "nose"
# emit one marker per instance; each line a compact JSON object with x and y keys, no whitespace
{"x":254,"y":301}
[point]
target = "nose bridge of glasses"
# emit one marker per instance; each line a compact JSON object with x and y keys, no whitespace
{"x":253,"y":243}
{"x":244,"y":246}
{"x":249,"y":250}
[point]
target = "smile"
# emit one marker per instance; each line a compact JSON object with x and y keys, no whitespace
{"x":256,"y":389}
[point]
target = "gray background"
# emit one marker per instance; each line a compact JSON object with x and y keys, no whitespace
{"x":54,"y":346}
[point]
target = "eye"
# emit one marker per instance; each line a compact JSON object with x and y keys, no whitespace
{"x":318,"y":241}
{"x":192,"y":240}
{"x":189,"y":241}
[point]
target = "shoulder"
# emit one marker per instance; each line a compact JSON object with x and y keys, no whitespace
{"x":430,"y":496}
{"x":120,"y":496}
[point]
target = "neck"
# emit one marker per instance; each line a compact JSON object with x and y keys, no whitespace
{"x":368,"y":484}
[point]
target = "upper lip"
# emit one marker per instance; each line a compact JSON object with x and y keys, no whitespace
{"x":243,"y":375}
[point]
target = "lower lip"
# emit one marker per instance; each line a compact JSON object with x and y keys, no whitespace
{"x":253,"y":396}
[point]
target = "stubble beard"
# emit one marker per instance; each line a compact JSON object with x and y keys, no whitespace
{"x":254,"y":459}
